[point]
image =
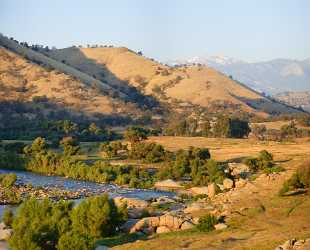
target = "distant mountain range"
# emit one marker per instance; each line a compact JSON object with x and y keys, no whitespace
{"x":271,"y":77}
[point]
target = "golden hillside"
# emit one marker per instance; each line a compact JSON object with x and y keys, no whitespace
{"x":22,"y":80}
{"x":190,"y":85}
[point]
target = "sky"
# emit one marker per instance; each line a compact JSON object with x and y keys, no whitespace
{"x":250,"y":30}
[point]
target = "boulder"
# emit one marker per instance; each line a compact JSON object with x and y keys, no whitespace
{"x":194,"y":207}
{"x":240,"y":183}
{"x":187,"y":225}
{"x":199,"y":190}
{"x":128,"y":225}
{"x":197,"y":206}
{"x":196,"y":220}
{"x":136,"y":213}
{"x":228,"y":183}
{"x":5,"y":234}
{"x":288,"y":245}
{"x":145,"y":224}
{"x":238,"y":169}
{"x":213,"y":189}
{"x":164,"y":200}
{"x":162,"y":229}
{"x":220,"y":226}
{"x":131,"y":202}
{"x":173,"y":222}
{"x":168,"y":185}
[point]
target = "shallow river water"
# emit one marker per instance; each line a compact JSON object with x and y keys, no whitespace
{"x":83,"y":186}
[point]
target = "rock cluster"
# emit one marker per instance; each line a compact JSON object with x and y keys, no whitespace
{"x":160,"y":224}
{"x":5,"y":233}
{"x":294,"y":244}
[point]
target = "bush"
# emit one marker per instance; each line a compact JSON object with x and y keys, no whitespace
{"x":7,"y":217}
{"x":300,"y":179}
{"x":148,"y":152}
{"x":7,"y":180}
{"x":263,"y":162}
{"x":47,"y":225}
{"x":206,"y":223}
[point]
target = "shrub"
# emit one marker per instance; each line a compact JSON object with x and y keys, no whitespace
{"x":149,"y":152}
{"x":7,"y":217}
{"x":136,"y":134}
{"x":47,"y":225}
{"x":300,"y":179}
{"x":70,"y":146}
{"x":7,"y":180}
{"x":206,"y":223}
{"x":263,"y":162}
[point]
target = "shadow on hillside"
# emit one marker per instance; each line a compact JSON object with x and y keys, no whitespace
{"x":13,"y":113}
{"x":103,"y":74}
{"x":267,"y":105}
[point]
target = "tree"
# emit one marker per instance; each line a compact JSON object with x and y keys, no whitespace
{"x":7,"y":217}
{"x":71,"y":240}
{"x":94,"y":129}
{"x":39,"y":145}
{"x":206,"y":129}
{"x":96,"y":217}
{"x":231,"y":127}
{"x":39,"y":224}
{"x":69,"y":126}
{"x":136,"y":134}
{"x":289,"y":131}
{"x":259,"y":131}
{"x":70,"y":146}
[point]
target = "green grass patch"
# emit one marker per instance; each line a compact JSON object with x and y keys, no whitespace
{"x":121,"y":239}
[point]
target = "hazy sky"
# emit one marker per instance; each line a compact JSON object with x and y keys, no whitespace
{"x":251,"y":30}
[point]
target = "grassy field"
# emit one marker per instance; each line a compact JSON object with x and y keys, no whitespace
{"x":260,"y":218}
{"x":225,"y":149}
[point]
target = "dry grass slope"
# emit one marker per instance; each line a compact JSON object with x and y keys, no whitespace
{"x":22,"y":80}
{"x":196,"y":85}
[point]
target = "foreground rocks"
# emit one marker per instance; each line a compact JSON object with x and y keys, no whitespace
{"x":5,"y":233}
{"x":295,"y":244}
{"x":160,"y":224}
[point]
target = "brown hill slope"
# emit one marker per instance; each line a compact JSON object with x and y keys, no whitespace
{"x":26,"y":82}
{"x":182,"y":86}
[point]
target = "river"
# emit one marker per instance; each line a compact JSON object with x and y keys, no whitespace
{"x":82,"y":186}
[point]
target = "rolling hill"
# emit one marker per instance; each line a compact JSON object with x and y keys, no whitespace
{"x":178,"y":86}
{"x":109,"y":81}
{"x":272,"y":77}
